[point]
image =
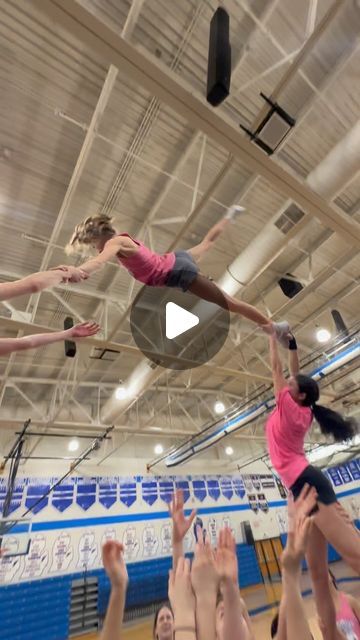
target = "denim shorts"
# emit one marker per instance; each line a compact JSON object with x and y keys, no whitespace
{"x":184,"y":271}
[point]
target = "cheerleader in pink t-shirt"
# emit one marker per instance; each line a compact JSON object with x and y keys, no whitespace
{"x":177,"y":269}
{"x":286,"y":429}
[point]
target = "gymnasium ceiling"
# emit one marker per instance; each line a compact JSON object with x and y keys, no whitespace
{"x":79,"y":136}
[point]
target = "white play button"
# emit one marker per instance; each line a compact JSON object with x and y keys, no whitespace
{"x":176,"y":330}
{"x":178,"y":320}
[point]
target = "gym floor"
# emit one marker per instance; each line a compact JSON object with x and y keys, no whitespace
{"x":257,"y":598}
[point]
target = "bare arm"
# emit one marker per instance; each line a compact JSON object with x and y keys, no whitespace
{"x":37,"y":282}
{"x":180,"y":524}
{"x":205,"y":583}
{"x":9,"y":345}
{"x":114,"y":565}
{"x":300,"y":527}
{"x":281,"y":631}
{"x":182,"y":601}
{"x":112,"y":248}
{"x":276,"y":366}
{"x":235,"y":624}
{"x":296,"y":620}
{"x":247,"y":619}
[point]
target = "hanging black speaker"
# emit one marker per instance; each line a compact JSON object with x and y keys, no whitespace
{"x":290,"y":287}
{"x":70,"y":346}
{"x":219,"y":59}
{"x":340,"y":325}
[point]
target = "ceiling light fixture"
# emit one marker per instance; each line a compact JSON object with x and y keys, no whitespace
{"x":158,"y":449}
{"x":74,"y":444}
{"x":121,"y":393}
{"x":323,"y":335}
{"x":219,"y":407}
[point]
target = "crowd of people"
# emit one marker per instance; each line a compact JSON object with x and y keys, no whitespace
{"x":205,"y":601}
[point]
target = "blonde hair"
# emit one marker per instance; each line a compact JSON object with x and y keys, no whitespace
{"x":88,"y":231}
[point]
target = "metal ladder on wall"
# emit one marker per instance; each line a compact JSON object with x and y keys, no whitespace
{"x":84,"y":617}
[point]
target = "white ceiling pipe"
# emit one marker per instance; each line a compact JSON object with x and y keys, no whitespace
{"x":336,"y":169}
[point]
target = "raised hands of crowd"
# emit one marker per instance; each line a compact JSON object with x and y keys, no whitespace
{"x":180,"y":524}
{"x":232,"y":618}
{"x":205,"y":597}
{"x":205,"y":581}
{"x":182,"y":599}
{"x":299,"y":528}
{"x":115,"y":567}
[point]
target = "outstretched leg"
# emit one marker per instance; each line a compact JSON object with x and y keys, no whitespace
{"x":207,"y":243}
{"x":317,"y":561}
{"x":209,"y":291}
{"x":342,"y":534}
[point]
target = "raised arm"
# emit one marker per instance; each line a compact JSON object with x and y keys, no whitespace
{"x":83,"y":330}
{"x":205,"y":582}
{"x":296,"y":621}
{"x":281,"y":630}
{"x":114,"y":564}
{"x":182,"y":600}
{"x":276,"y":366}
{"x":237,"y":625}
{"x":180,"y":524}
{"x":38,"y":281}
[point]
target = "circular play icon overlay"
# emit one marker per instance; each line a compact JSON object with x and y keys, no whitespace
{"x":177,"y":330}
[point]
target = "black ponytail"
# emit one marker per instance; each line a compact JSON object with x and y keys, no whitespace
{"x":331,"y":422}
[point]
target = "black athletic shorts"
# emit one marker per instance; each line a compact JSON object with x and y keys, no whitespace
{"x":315,"y":478}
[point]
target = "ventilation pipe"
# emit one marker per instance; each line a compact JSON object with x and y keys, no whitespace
{"x":333,"y":172}
{"x":327,"y":179}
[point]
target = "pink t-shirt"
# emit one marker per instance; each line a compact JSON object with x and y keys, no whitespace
{"x":286,"y":429}
{"x":346,"y":620}
{"x":147,"y":266}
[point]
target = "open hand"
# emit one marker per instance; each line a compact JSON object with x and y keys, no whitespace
{"x":114,"y":563}
{"x":300,"y":524}
{"x":84,"y":330}
{"x":204,"y":575}
{"x":181,"y":524}
{"x":181,"y":594}
{"x":303,"y":505}
{"x":225,"y":556}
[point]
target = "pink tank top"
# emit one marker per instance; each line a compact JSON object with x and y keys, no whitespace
{"x":147,"y":266}
{"x":346,"y":620}
{"x":286,"y":429}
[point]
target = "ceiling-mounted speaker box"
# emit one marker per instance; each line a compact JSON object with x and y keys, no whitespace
{"x":289,"y":286}
{"x":219,"y":58}
{"x":69,"y":345}
{"x":340,"y":325}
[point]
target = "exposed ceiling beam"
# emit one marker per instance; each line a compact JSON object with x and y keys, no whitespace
{"x":176,"y":94}
{"x":19,"y":325}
